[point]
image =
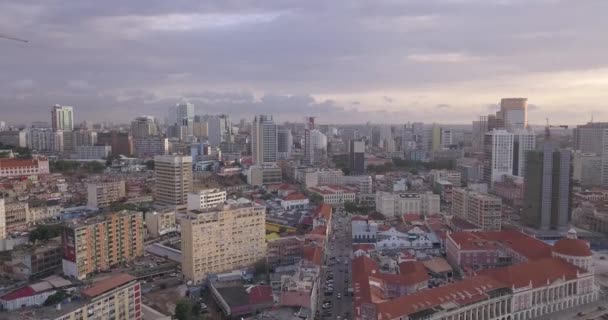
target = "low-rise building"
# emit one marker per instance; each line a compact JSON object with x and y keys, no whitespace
{"x":16,"y":214}
{"x":264,"y":175}
{"x":335,"y":195}
{"x":207,"y":198}
{"x":92,"y":152}
{"x":23,"y":167}
{"x":36,"y":261}
{"x":510,"y":190}
{"x":238,"y":300}
{"x":399,"y":204}
{"x":40,"y":210}
{"x":34,"y":294}
{"x":285,"y":251}
{"x":294,"y":201}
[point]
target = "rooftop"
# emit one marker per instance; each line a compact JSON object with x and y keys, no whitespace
{"x":537,"y":273}
{"x":107,"y":284}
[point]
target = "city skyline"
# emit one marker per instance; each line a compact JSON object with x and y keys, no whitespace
{"x":347,"y":61}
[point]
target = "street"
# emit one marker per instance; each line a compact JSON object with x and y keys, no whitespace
{"x":335,"y":298}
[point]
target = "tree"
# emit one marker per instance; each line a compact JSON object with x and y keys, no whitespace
{"x":260,"y":268}
{"x":150,"y":164}
{"x":56,"y":298}
{"x":45,"y":232}
{"x":350,"y":207}
{"x":183,"y":309}
{"x":315,"y":198}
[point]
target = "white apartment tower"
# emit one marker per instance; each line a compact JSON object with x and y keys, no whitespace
{"x":498,"y":155}
{"x":62,"y":118}
{"x":204,"y":199}
{"x":173,"y":179}
{"x":524,"y":140}
{"x":264,"y":140}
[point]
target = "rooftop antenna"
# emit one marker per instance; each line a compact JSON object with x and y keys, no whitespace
{"x":547,"y":130}
{"x":13,"y":38}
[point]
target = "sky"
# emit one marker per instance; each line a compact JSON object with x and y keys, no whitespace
{"x":351,"y":61}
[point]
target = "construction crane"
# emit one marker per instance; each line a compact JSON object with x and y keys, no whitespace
{"x":13,"y":38}
{"x":548,"y":128}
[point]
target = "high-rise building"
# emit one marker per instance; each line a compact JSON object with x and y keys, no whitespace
{"x":224,"y":238}
{"x":16,"y":138}
{"x":150,"y":147}
{"x":308,"y":148}
{"x":447,"y":138}
{"x":121,"y":142}
{"x":585,"y":168}
{"x":199,"y":128}
{"x":62,"y":118}
{"x":514,"y":112}
{"x":523,"y":141}
{"x":219,"y":130}
{"x":480,"y":209}
{"x":284,"y":143}
{"x":498,"y":155}
{"x":173,"y":179}
{"x":98,"y":243}
{"x":547,"y":191}
{"x":264,"y":140}
{"x":480,"y":128}
{"x":103,"y":194}
{"x":589,"y":138}
{"x":144,"y":126}
{"x":356,"y":157}
{"x":44,"y":140}
{"x":318,"y":146}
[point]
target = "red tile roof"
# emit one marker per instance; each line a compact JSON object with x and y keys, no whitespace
{"x":411,"y":217}
{"x":537,"y":272}
{"x":107,"y":284}
{"x":11,"y":163}
{"x":295,"y":196}
{"x":375,"y":215}
{"x":363,"y":246}
{"x":572,"y":247}
{"x":320,"y":230}
{"x":358,"y":218}
{"x":519,"y":242}
{"x":324,"y":211}
{"x":295,"y":298}
{"x":461,"y":293}
{"x":19,"y":293}
{"x":260,"y":294}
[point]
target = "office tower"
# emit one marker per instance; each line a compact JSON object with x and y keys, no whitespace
{"x":585,"y":168}
{"x":207,"y":198}
{"x":14,"y":138}
{"x":480,"y":209}
{"x":199,"y":127}
{"x":435,"y":137}
{"x":308,"y":149}
{"x":173,"y":179}
{"x":264,"y":140}
{"x":498,"y":155}
{"x":103,"y":194}
{"x":74,"y":139}
{"x":62,"y":118}
{"x":547,"y":188}
{"x":480,"y":128}
{"x":223,"y":238}
{"x":219,"y":130}
{"x":447,"y":138}
{"x":589,"y":138}
{"x":144,"y":126}
{"x":523,"y":141}
{"x":100,"y":242}
{"x":284,"y":143}
{"x":356,"y":157}
{"x":121,"y":142}
{"x":514,"y":113}
{"x":318,"y":146}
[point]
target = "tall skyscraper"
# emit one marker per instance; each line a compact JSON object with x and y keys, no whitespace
{"x":356,"y":157}
{"x":547,"y":191}
{"x":514,"y":112}
{"x":219,"y":130}
{"x":523,"y":141}
{"x":498,"y":155}
{"x":264,"y":140}
{"x":173,"y":179}
{"x":284,"y":143}
{"x":318,"y":146}
{"x":143,"y":127}
{"x":593,"y":138}
{"x":62,"y":118}
{"x":223,"y":238}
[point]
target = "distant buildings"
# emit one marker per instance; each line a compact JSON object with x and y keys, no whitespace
{"x":62,"y":118}
{"x":143,"y":127}
{"x":173,"y":179}
{"x":399,"y":204}
{"x":547,"y":195}
{"x":121,"y":142}
{"x":150,"y":147}
{"x":98,"y":243}
{"x":222,"y":238}
{"x":103,"y":194}
{"x":284,"y":143}
{"x":585,"y":168}
{"x":16,"y":138}
{"x":264,"y":140}
{"x":514,"y":112}
{"x":264,"y":174}
{"x":334,"y":195}
{"x":498,"y":155}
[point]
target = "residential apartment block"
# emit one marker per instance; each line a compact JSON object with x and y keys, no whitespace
{"x":160,"y":222}
{"x":97,"y":243}
{"x":223,"y":238}
{"x":480,"y":209}
{"x":173,"y":179}
{"x":203,"y":199}
{"x":103,"y":194}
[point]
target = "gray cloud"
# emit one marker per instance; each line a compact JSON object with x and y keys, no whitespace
{"x":97,"y":54}
{"x":443,"y":106}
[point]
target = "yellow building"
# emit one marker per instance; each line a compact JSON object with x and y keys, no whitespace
{"x":222,"y":238}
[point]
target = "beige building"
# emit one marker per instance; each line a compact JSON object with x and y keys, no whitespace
{"x":42,"y":210}
{"x":173,"y":178}
{"x":98,"y":243}
{"x":16,"y":214}
{"x":2,"y":220}
{"x":160,"y":222}
{"x":222,"y":238}
{"x":203,"y":199}
{"x":103,"y":194}
{"x":267,"y":174}
{"x":480,"y":209}
{"x":397,"y":204}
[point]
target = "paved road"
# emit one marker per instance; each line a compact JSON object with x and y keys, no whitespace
{"x":337,"y":263}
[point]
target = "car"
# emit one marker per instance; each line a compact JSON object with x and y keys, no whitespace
{"x":339,"y":296}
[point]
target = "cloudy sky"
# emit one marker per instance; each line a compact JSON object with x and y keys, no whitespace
{"x":388,"y":61}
